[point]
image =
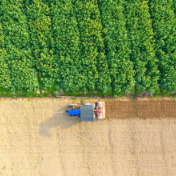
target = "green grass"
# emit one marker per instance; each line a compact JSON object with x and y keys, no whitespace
{"x":163,"y":92}
{"x":6,"y":93}
{"x":88,"y":93}
{"x":79,"y":93}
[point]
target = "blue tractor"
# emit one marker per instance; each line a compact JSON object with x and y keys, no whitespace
{"x":85,"y":112}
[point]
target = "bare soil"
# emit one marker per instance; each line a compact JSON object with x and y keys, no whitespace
{"x":137,"y":138}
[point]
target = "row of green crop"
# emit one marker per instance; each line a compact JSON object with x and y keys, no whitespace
{"x":140,"y":34}
{"x":42,"y":41}
{"x":66,"y":37}
{"x":94,"y":44}
{"x":16,"y":62}
{"x":117,"y":45}
{"x":164,"y":26}
{"x":94,"y":63}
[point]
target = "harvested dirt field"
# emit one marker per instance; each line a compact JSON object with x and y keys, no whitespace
{"x":137,"y":138}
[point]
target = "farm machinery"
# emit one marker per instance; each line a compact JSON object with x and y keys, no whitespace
{"x":88,"y":111}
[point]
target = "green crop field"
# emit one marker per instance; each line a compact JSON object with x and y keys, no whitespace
{"x":111,"y":46}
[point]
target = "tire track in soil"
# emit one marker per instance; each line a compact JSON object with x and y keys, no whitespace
{"x":163,"y":151}
{"x":111,"y":148}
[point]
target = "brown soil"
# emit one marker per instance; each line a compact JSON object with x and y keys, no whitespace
{"x":137,"y":138}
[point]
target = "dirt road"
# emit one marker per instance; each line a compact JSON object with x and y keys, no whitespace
{"x":37,"y":138}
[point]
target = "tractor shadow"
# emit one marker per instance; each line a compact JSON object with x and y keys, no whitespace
{"x":61,"y":118}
